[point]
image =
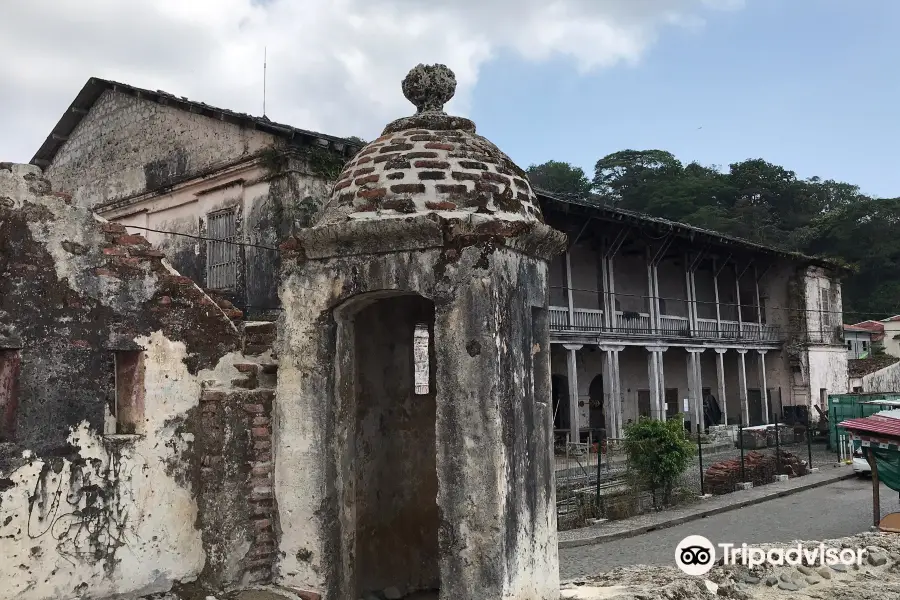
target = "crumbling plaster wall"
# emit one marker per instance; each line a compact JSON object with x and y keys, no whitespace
{"x":886,"y":380}
{"x":491,"y":523}
{"x":272,"y":194}
{"x":83,"y":513}
{"x":127,"y":145}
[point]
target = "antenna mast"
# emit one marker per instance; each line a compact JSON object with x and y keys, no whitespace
{"x":265,"y":49}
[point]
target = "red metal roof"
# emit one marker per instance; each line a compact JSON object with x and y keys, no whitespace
{"x":876,"y":424}
{"x":857,"y":329}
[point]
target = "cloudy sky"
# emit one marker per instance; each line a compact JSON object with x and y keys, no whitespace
{"x":810,"y":84}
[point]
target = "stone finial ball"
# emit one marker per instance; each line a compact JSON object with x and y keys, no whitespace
{"x":429,"y":87}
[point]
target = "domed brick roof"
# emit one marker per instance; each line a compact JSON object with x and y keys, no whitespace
{"x":431,"y":162}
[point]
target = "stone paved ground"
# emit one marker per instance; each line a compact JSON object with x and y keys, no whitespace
{"x":877,"y":579}
{"x":836,"y":510}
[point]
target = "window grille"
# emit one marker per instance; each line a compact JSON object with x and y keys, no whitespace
{"x":825,"y":306}
{"x":221,"y":251}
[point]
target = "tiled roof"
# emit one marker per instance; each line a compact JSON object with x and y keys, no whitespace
{"x":856,"y":329}
{"x":95,"y":87}
{"x":876,"y":424}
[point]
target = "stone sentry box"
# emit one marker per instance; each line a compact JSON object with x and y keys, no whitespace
{"x":448,"y":492}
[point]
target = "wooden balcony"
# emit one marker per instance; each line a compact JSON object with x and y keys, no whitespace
{"x":589,"y":321}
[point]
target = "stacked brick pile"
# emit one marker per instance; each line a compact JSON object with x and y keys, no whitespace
{"x":722,"y":477}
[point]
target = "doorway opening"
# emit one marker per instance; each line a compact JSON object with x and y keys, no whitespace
{"x":393,"y":464}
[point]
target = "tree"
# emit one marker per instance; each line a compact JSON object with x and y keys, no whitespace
{"x":560,"y":178}
{"x":624,"y":177}
{"x":658,"y":453}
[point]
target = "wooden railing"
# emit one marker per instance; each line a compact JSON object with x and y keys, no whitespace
{"x":590,"y":321}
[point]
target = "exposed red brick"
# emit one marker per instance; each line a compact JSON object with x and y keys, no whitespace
{"x":212,"y":396}
{"x":387,"y":157}
{"x":264,"y":537}
{"x":460,"y":176}
{"x":496,"y":177}
{"x":115,"y":251}
{"x":262,"y":445}
{"x":165,"y":300}
{"x":261,"y":524}
{"x":367,"y":207}
{"x":289,"y":244}
{"x":396,"y":148}
{"x":424,"y":138}
{"x":343,"y":184}
{"x":408,"y":188}
{"x":363,"y":171}
{"x":432,"y":175}
{"x":80,"y":343}
{"x":367,"y":151}
{"x":487,"y":187}
{"x":520,"y":182}
{"x":450,"y":188}
{"x":471,"y":164}
{"x":254,"y":408}
{"x":113,"y":228}
{"x":259,"y":431}
{"x":412,"y":155}
{"x":397,"y":175}
{"x":366,"y":179}
{"x":440,"y":205}
{"x":439,"y":146}
{"x":308,"y":595}
{"x":132,"y":240}
{"x":431,"y":164}
{"x":372,"y":194}
{"x":364,"y":160}
{"x":106,"y":272}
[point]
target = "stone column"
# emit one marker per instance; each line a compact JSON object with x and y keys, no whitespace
{"x":574,"y":409}
{"x":742,"y":386}
{"x":720,"y":375}
{"x":764,"y":392}
{"x":613,"y":387}
{"x":656,"y":383}
{"x":570,"y":302}
{"x":695,"y":386}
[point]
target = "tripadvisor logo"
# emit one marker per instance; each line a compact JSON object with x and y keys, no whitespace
{"x":695,"y":555}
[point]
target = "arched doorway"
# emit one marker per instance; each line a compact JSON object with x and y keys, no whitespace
{"x":386,"y":375}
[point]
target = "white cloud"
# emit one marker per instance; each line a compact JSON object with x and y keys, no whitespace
{"x":333,"y":65}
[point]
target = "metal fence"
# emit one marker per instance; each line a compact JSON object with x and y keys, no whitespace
{"x":597,"y":480}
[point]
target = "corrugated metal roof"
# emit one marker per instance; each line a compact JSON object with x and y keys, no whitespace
{"x":876,"y":424}
{"x":613,"y":213}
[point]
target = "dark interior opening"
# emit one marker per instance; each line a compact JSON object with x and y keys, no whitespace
{"x":396,"y":484}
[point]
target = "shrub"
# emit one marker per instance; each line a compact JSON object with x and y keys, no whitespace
{"x":658,"y":453}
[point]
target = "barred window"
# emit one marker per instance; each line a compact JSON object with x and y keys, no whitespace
{"x":221,"y":251}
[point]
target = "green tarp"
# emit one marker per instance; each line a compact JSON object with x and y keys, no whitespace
{"x":888,"y":463}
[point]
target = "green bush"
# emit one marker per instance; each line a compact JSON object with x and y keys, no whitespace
{"x":658,"y":453}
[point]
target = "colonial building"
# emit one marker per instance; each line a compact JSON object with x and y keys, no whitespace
{"x":651,"y":318}
{"x":191,"y":178}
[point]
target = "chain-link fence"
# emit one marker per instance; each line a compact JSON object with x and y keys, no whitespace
{"x":599,"y":480}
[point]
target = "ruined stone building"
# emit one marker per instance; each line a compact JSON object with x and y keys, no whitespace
{"x":135,"y":442}
{"x":153,"y":160}
{"x":650,"y":318}
{"x":394,"y":439}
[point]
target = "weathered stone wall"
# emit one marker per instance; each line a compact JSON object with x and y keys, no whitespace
{"x":83,"y":513}
{"x":127,"y":145}
{"x":495,"y":494}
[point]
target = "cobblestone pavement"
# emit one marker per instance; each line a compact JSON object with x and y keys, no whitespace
{"x":837,"y":510}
